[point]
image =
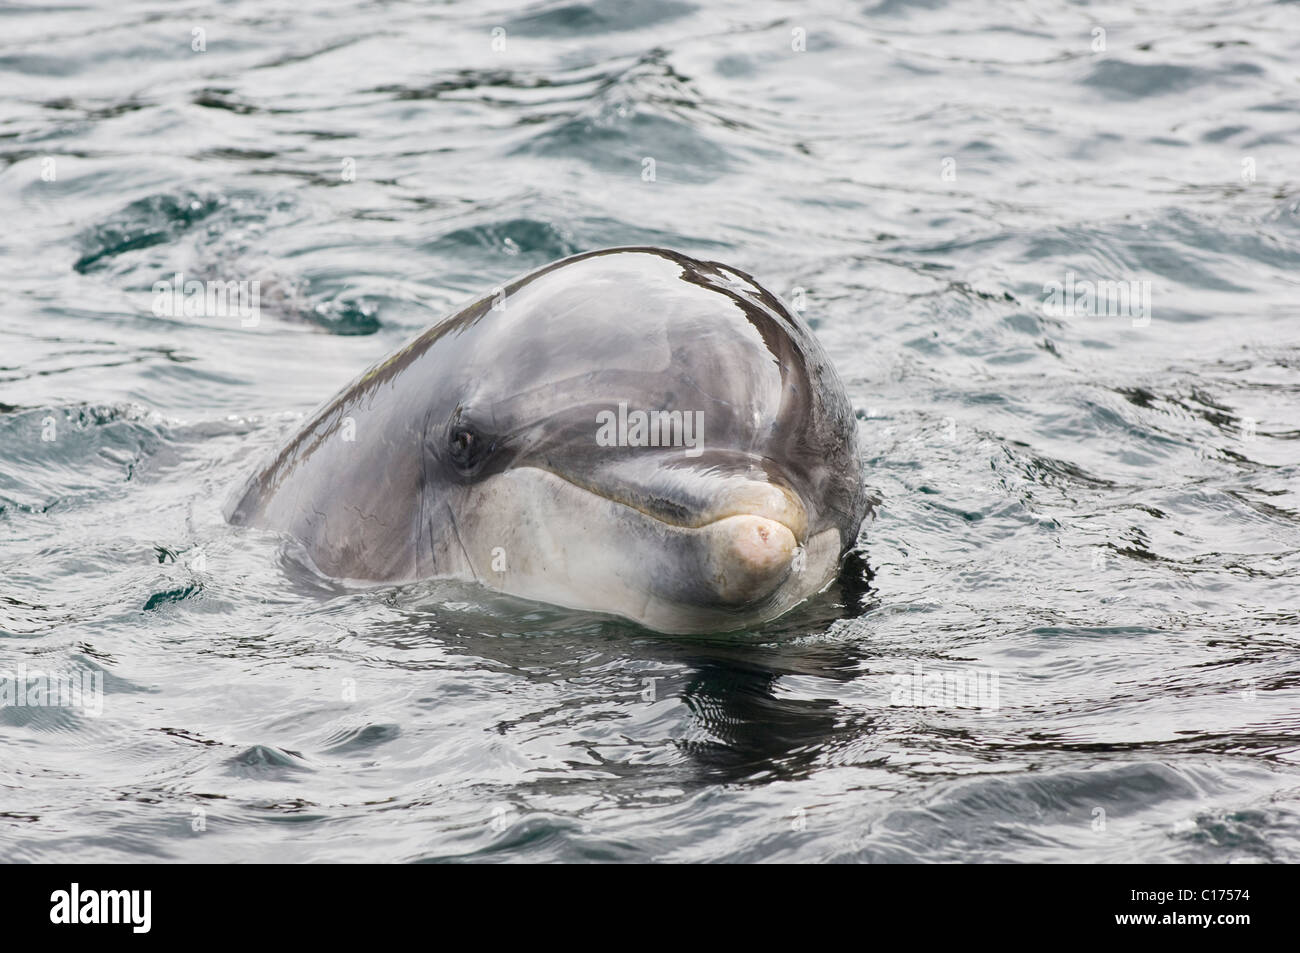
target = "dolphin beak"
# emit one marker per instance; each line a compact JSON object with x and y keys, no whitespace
{"x":752,"y":544}
{"x":748,"y":557}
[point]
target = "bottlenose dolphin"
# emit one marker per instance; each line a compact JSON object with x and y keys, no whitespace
{"x":628,"y":431}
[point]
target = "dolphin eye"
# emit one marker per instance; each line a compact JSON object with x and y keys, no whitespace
{"x":467,"y":447}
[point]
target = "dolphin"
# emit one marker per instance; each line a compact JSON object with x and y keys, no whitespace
{"x":628,"y":431}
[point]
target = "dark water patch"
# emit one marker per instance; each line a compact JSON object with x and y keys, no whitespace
{"x":224,"y":99}
{"x":647,"y":111}
{"x":619,"y":144}
{"x":142,"y":224}
{"x":159,"y":599}
{"x":1240,"y":832}
{"x":93,"y":112}
{"x":266,"y":763}
{"x":567,"y":20}
{"x":362,"y":739}
{"x":889,"y":8}
{"x":1136,"y":80}
{"x":346,"y":316}
{"x":539,"y":241}
{"x":471,"y":80}
{"x":237,"y":154}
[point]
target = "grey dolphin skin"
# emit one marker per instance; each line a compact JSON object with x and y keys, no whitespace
{"x":628,"y":431}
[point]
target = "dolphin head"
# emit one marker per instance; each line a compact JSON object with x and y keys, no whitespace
{"x":639,"y":433}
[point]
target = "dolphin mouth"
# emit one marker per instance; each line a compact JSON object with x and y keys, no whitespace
{"x":747,"y":539}
{"x":687,"y":497}
{"x":659,"y":560}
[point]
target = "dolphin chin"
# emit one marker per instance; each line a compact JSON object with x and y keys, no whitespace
{"x":534,"y":534}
